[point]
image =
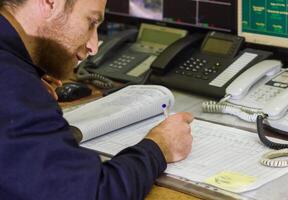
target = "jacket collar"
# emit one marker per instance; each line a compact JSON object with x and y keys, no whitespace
{"x":10,"y":41}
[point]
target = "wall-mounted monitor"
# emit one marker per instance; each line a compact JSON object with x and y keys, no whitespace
{"x":207,"y":14}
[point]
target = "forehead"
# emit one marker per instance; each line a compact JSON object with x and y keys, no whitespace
{"x":88,"y":6}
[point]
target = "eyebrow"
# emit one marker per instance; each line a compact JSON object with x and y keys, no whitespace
{"x":99,"y":15}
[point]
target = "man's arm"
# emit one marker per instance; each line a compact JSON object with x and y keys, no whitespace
{"x":40,"y":159}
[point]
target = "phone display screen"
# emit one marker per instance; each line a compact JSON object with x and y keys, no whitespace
{"x":217,"y":46}
{"x":282,"y":78}
{"x":159,"y":37}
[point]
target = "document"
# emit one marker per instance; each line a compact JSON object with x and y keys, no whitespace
{"x":222,"y":156}
{"x":124,"y":107}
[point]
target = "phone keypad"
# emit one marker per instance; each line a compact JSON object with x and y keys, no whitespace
{"x":198,"y":68}
{"x":264,"y":94}
{"x":122,"y":61}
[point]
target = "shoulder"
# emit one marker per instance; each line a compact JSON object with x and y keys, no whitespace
{"x":24,"y":99}
{"x":18,"y":78}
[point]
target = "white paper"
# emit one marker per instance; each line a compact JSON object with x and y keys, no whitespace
{"x":216,"y":148}
{"x":127,"y":106}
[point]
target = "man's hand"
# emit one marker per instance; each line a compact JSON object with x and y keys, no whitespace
{"x":48,"y":81}
{"x":173,"y":136}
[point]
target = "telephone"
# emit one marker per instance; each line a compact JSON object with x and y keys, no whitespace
{"x":106,"y":49}
{"x":205,"y":68}
{"x":264,"y":87}
{"x":259,"y":94}
{"x":267,"y":85}
{"x":128,"y":55}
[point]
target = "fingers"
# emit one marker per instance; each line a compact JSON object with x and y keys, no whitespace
{"x":182,"y":116}
{"x":52,"y":80}
{"x":50,"y":89}
{"x":47,"y":81}
{"x":174,"y":136}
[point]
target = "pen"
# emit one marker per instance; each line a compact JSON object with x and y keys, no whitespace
{"x":165,"y":110}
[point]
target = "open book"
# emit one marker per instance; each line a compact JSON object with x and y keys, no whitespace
{"x":122,"y":108}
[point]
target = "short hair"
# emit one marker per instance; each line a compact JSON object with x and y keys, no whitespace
{"x":15,"y":3}
{"x":11,"y":2}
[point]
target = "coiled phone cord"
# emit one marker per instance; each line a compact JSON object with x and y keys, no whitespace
{"x":96,"y":79}
{"x":244,"y":113}
{"x":263,"y":138}
{"x":281,"y":150}
{"x":142,"y":81}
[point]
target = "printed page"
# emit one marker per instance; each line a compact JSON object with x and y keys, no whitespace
{"x":222,"y":156}
{"x":227,"y":158}
{"x":127,"y":106}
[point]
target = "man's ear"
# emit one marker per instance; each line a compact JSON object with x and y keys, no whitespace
{"x":50,"y":8}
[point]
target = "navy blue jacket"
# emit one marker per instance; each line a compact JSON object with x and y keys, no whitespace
{"x":39,"y":157}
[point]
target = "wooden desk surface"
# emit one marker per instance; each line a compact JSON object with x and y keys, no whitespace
{"x":157,"y":192}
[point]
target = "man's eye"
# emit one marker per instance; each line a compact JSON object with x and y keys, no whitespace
{"x":93,"y":24}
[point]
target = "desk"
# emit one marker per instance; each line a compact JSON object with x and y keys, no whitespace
{"x":192,"y":103}
{"x":165,"y":193}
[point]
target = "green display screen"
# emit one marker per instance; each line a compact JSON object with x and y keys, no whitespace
{"x":159,"y":37}
{"x":217,"y":46}
{"x":269,"y":17}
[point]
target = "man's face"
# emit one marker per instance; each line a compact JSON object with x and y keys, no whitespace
{"x":69,"y":38}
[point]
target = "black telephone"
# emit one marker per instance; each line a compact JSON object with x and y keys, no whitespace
{"x":116,"y":57}
{"x":106,"y":63}
{"x":127,"y":56}
{"x":204,"y":68}
{"x":107,"y":48}
{"x":87,"y":69}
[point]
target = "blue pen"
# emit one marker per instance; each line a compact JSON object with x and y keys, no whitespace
{"x":165,"y":110}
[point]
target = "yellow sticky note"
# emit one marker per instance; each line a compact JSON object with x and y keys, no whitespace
{"x":232,"y":181}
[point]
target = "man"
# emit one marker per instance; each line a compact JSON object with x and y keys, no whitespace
{"x":39,"y":158}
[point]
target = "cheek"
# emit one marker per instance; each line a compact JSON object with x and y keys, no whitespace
{"x":79,"y":39}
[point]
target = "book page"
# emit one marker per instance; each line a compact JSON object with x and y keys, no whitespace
{"x":219,"y":154}
{"x":226,"y":157}
{"x":124,"y":107}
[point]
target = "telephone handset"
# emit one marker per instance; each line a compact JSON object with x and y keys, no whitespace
{"x":163,"y":61}
{"x":241,"y":85}
{"x":86,"y":69}
{"x":107,"y":48}
{"x":258,"y":85}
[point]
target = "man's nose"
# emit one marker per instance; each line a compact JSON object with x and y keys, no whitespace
{"x":92,"y":44}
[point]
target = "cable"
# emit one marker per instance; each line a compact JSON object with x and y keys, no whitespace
{"x":94,"y":78}
{"x":281,"y":149}
{"x":267,"y":158}
{"x":244,"y":113}
{"x":247,"y":114}
{"x":141,"y":82}
{"x":262,"y":137}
